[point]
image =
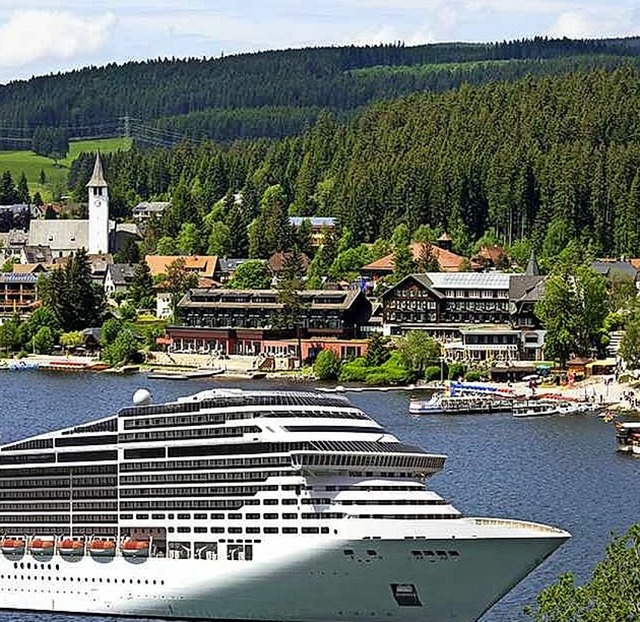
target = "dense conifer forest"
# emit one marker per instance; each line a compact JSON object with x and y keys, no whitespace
{"x":549,"y":159}
{"x":275,"y":94}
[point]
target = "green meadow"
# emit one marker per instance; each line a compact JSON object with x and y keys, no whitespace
{"x":56,"y":176}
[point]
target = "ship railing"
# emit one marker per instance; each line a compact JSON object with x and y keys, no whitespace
{"x":515,"y":524}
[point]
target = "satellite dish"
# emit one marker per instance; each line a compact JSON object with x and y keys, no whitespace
{"x":142,"y":397}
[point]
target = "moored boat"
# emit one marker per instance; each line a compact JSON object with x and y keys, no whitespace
{"x":159,"y":375}
{"x":547,"y":407}
{"x":440,"y":404}
{"x":628,"y":437}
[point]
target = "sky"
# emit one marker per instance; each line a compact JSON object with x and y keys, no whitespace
{"x":44,"y":36}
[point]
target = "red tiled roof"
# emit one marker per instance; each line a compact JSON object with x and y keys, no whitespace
{"x":491,"y":253}
{"x":448,"y":261}
{"x":202,"y":265}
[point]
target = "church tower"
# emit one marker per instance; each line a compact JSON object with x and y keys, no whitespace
{"x":98,"y":211}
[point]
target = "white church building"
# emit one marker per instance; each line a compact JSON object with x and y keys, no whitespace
{"x":98,"y":235}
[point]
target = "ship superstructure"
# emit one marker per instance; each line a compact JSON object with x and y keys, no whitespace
{"x":247,"y":505}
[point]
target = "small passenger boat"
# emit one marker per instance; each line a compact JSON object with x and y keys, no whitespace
{"x":204,"y":372}
{"x":440,"y":404}
{"x":70,"y":547}
{"x":135,"y":548}
{"x":160,"y":375}
{"x":38,"y":546}
{"x":547,"y":407}
{"x":628,"y":437}
{"x":12,"y":546}
{"x":102,"y":548}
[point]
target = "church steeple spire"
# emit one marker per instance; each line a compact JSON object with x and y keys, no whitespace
{"x":97,"y":178}
{"x":532,"y":266}
{"x":98,"y":211}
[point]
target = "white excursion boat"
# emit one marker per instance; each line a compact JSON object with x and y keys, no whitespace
{"x":628,"y":437}
{"x":441,"y":404}
{"x":548,"y":407}
{"x":248,"y":505}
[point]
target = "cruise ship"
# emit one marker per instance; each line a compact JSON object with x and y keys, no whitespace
{"x":247,"y":505}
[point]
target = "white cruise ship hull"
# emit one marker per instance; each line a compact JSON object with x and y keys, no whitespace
{"x":315,"y":584}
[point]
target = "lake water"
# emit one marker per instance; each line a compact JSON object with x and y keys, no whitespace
{"x":562,"y":471}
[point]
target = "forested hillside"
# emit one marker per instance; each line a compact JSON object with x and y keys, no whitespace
{"x":549,"y":159}
{"x":274,"y":94}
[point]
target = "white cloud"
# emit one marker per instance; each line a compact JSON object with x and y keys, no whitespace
{"x":33,"y":35}
{"x":595,"y":23}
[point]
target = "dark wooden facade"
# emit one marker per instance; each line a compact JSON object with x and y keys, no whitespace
{"x":241,"y":320}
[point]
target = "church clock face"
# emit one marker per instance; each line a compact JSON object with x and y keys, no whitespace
{"x":98,"y":202}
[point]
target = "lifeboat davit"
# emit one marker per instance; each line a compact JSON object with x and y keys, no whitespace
{"x":135,"y":548}
{"x":68,"y":546}
{"x":102,"y":548}
{"x":38,"y":546}
{"x":12,"y":546}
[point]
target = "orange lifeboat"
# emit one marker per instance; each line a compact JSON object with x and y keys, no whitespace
{"x":68,"y":546}
{"x":135,"y":548}
{"x":12,"y":545}
{"x":38,"y":546}
{"x":102,"y":548}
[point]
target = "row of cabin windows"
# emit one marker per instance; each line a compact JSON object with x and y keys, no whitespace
{"x":249,"y":530}
{"x":184,"y":465}
{"x":43,"y":506}
{"x":58,"y":482}
{"x":171,"y":478}
{"x":170,"y":435}
{"x":236,"y":516}
{"x":108,"y":425}
{"x":220,"y":418}
{"x":77,"y":493}
{"x":60,"y":471}
{"x":232,"y":504}
{"x":16,"y":519}
{"x":195,"y":491}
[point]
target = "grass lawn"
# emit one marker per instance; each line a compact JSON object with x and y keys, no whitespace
{"x":31,"y":164}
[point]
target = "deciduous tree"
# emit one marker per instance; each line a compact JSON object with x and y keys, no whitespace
{"x":612,"y":594}
{"x":251,"y":274}
{"x":178,"y":282}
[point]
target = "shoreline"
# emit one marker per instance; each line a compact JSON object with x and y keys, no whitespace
{"x":613,"y":395}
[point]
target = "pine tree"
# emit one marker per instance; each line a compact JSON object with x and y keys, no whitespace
{"x":71,"y":294}
{"x":141,"y":291}
{"x":427,"y":260}
{"x":22,"y":190}
{"x":377,"y":351}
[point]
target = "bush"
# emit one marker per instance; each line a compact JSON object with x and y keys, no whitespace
{"x":353,"y":371}
{"x":43,"y":340}
{"x":456,"y":370}
{"x":327,"y":365}
{"x":432,"y":372}
{"x":473,"y":376}
{"x":392,"y":372}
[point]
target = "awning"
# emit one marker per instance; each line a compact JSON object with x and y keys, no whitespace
{"x":609,"y":362}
